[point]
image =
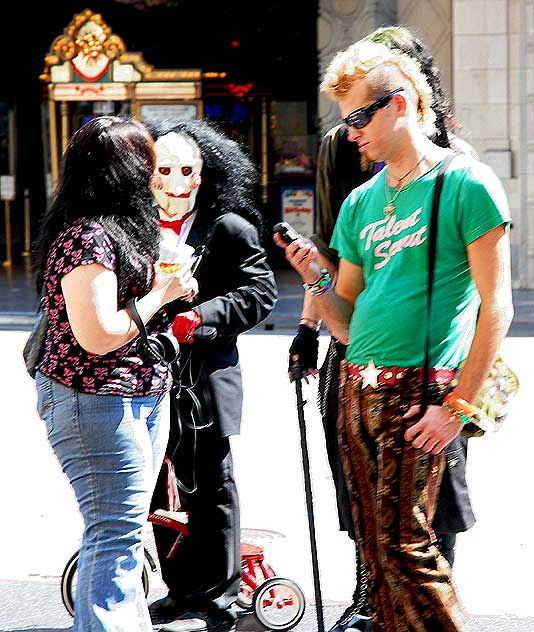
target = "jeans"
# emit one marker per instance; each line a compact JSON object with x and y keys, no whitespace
{"x":111,"y":448}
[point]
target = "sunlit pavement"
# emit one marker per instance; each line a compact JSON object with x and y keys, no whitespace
{"x":41,"y":527}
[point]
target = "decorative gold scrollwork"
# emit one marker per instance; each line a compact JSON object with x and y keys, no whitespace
{"x":114,"y":46}
{"x":85,"y":42}
{"x":64,"y":47}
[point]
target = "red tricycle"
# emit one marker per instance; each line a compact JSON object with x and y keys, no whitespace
{"x":277,"y":603}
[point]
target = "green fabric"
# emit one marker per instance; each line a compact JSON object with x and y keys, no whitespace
{"x":388,"y":323}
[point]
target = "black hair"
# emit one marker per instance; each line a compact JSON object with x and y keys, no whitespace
{"x":229,"y":178}
{"x":105,"y":176}
{"x":405,"y":41}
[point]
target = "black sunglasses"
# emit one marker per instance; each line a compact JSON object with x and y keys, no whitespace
{"x":362,"y":116}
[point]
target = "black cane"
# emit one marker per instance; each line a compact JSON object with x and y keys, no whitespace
{"x":297,"y":376}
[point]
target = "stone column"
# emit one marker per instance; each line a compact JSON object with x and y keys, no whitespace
{"x":522,"y":40}
{"x":341,"y":23}
{"x":432,"y":21}
{"x":493,"y":79}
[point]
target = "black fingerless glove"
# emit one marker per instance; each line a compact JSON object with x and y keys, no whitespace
{"x":306,"y":346}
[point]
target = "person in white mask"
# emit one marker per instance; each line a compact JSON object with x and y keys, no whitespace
{"x":203,"y":184}
{"x":175,"y":184}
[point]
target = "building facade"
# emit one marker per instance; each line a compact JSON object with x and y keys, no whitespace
{"x":485,"y":49}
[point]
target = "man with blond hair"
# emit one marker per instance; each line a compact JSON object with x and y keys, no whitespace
{"x":393,"y":458}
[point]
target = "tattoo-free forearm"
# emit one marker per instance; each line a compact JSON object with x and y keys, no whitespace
{"x":336,"y":313}
{"x":489,"y":261}
{"x":119,"y":329}
{"x":492,"y":325}
{"x":310,"y":309}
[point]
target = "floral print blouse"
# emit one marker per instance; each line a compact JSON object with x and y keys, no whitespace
{"x":120,"y":372}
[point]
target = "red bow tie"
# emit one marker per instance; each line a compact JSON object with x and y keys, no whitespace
{"x":176,"y":226}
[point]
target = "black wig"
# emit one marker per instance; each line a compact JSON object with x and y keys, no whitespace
{"x":105,"y":176}
{"x":229,"y":178}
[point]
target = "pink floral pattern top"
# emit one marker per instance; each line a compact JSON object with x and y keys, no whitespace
{"x":120,"y":372}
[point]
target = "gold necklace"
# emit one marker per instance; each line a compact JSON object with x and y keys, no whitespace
{"x":389,"y":209}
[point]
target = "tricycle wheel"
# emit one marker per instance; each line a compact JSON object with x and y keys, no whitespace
{"x":279,"y":603}
{"x":246,"y":590}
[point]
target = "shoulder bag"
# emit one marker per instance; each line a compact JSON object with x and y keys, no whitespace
{"x":34,"y":348}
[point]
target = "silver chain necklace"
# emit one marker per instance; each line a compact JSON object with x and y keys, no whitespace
{"x":389,"y":209}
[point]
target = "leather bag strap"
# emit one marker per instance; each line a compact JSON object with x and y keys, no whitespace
{"x":131,"y":308}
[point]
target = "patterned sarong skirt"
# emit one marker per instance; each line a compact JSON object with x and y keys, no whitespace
{"x":393,"y":489}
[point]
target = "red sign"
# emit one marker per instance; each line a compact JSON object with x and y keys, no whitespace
{"x":240,"y":91}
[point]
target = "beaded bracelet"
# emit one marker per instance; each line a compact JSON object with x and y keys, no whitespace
{"x":460,"y":408}
{"x":323,"y":289}
{"x":324,"y":280}
{"x":459,"y":415}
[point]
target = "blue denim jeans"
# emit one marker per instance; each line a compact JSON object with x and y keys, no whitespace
{"x":111,"y":449}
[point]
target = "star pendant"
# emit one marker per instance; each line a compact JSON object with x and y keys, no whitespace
{"x":370,"y":375}
{"x":389,"y":209}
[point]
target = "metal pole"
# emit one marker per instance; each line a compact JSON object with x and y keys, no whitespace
{"x":54,"y":154}
{"x":264,"y":154}
{"x":136,"y":110}
{"x":297,"y":373}
{"x":64,"y":125}
{"x":12,"y":136}
{"x":7,"y":210}
{"x":27,"y":227}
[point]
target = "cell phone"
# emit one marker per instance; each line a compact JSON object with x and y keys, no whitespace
{"x":286,"y":232}
{"x":197,"y":258}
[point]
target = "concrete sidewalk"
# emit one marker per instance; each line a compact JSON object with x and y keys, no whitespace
{"x":494,"y":560}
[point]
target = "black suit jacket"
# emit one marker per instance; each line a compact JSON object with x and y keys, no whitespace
{"x":236,"y":292}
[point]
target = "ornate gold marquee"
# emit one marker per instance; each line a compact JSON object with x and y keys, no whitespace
{"x":87,"y":46}
{"x":89,"y":62}
{"x":88,"y":51}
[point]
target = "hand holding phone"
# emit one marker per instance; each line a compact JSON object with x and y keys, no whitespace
{"x":303,"y":255}
{"x":286,"y":232}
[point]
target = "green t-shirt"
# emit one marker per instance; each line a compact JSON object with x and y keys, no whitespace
{"x":388,"y":322}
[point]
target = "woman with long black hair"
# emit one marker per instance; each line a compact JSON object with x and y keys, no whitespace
{"x":104,"y":404}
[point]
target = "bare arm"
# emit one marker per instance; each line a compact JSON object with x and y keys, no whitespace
{"x":335,"y":308}
{"x":304,"y":348}
{"x":489,"y":261}
{"x":310,"y":309}
{"x":91,"y":301}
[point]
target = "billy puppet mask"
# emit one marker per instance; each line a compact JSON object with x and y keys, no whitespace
{"x":177,"y":175}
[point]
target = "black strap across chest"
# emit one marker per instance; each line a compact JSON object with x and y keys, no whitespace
{"x":432,"y":250}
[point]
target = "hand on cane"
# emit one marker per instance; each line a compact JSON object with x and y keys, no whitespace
{"x":305,"y":350}
{"x":302,"y":255}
